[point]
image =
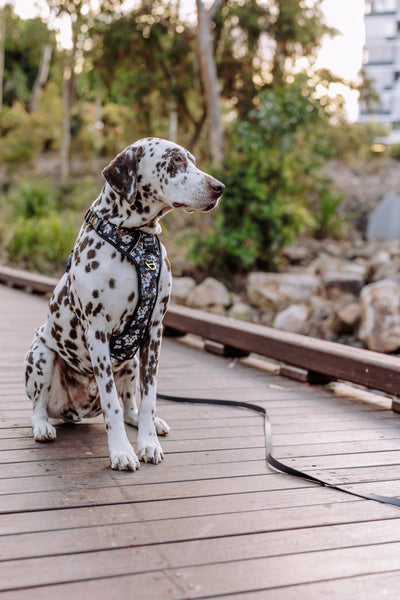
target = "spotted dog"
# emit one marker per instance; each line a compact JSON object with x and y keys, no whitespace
{"x":70,"y":369}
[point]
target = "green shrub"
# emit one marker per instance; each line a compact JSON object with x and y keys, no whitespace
{"x":271,"y":176}
{"x":327,"y":220}
{"x":39,"y":221}
{"x":30,"y":198}
{"x":41,"y":243}
{"x":20,"y":139}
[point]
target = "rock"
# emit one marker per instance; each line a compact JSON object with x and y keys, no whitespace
{"x":380,"y":316}
{"x":181,"y":288}
{"x":296,"y":255}
{"x":293,"y":319}
{"x":320,"y":318}
{"x":384,"y":266}
{"x":243,"y":312}
{"x":209,"y":293}
{"x":347,"y":319}
{"x":276,"y":291}
{"x":325,"y":264}
{"x":338,"y":282}
{"x":384,"y":221}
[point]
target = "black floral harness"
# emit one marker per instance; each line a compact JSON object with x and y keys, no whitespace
{"x":144,"y":251}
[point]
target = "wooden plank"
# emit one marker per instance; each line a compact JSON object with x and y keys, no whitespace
{"x":101,"y":559}
{"x":367,"y":587}
{"x":340,"y":362}
{"x":211,"y":520}
{"x":222,"y":577}
{"x":26,"y":280}
{"x":333,"y":360}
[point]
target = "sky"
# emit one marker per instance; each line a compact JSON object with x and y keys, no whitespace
{"x":342,"y":54}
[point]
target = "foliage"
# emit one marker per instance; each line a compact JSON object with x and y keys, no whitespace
{"x":129,"y":72}
{"x":352,"y":141}
{"x":271,"y":178}
{"x":326,"y":219}
{"x":42,"y":244}
{"x":40,"y":220}
{"x":23,"y":135}
{"x":23,"y":46}
{"x":146,"y":60}
{"x":16,"y":128}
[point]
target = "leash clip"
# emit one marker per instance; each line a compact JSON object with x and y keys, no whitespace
{"x":151,"y":265}
{"x":90,"y":217}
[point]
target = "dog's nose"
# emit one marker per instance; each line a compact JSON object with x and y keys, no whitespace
{"x":217,"y":187}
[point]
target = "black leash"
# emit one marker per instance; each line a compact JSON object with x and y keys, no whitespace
{"x":273,"y":462}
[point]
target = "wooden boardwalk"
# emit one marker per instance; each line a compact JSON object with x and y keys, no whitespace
{"x":211,"y":521}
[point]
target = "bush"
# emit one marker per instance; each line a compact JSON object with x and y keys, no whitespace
{"x":39,"y":222}
{"x":29,"y":199}
{"x":20,"y":139}
{"x":41,"y":243}
{"x":271,"y":176}
{"x":327,"y":220}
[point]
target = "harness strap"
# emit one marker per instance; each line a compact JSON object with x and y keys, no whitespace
{"x":273,"y":462}
{"x":144,"y":251}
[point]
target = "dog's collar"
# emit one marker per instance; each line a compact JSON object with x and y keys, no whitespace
{"x":124,"y":240}
{"x":144,"y":251}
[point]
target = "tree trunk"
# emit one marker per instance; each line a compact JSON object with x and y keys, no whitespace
{"x":67,"y":86}
{"x":210,"y":83}
{"x":2,"y":51}
{"x":173,"y":122}
{"x":42,"y":75}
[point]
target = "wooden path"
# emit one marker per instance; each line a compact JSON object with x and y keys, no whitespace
{"x":211,"y":521}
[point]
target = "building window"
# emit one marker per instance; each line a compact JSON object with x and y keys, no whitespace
{"x":380,"y":6}
{"x":380,"y":55}
{"x":381,"y":79}
{"x":380,"y":27}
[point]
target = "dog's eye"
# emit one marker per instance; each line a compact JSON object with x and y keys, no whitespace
{"x":178,"y":160}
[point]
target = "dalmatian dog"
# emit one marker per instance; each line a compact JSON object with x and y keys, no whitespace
{"x":69,"y":370}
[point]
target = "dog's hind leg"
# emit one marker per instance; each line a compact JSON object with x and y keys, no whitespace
{"x":39,"y":366}
{"x":126,"y":382}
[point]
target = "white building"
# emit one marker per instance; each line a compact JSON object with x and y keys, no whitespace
{"x":382,"y":62}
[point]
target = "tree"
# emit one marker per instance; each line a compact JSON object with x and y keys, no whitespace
{"x":42,"y":74}
{"x":82,"y":19}
{"x":23,"y":44}
{"x":2,"y":51}
{"x":271,"y":176}
{"x":209,"y":79}
{"x":146,"y":60}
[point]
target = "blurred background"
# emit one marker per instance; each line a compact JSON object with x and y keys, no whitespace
{"x":292,"y":103}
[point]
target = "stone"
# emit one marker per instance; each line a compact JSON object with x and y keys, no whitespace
{"x":243,"y":312}
{"x":338,"y":282}
{"x":384,"y":266}
{"x":320,"y":318}
{"x":384,"y":221}
{"x":293,"y":318}
{"x":181,"y":288}
{"x":380,"y":316}
{"x":209,"y":293}
{"x":276,"y":291}
{"x":296,"y":255}
{"x":347,"y":319}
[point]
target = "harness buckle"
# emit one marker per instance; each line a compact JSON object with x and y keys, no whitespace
{"x":151,"y":265}
{"x":90,"y":217}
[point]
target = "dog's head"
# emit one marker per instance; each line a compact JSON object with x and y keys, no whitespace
{"x":153,"y":170}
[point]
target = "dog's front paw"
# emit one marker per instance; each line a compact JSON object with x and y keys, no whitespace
{"x":162,"y":426}
{"x":124,"y":459}
{"x":44,"y":432}
{"x":150,"y":450}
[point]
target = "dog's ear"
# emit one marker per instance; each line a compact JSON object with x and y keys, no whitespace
{"x":121,"y":172}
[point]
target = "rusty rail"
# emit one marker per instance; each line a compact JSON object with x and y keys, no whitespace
{"x":305,"y":358}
